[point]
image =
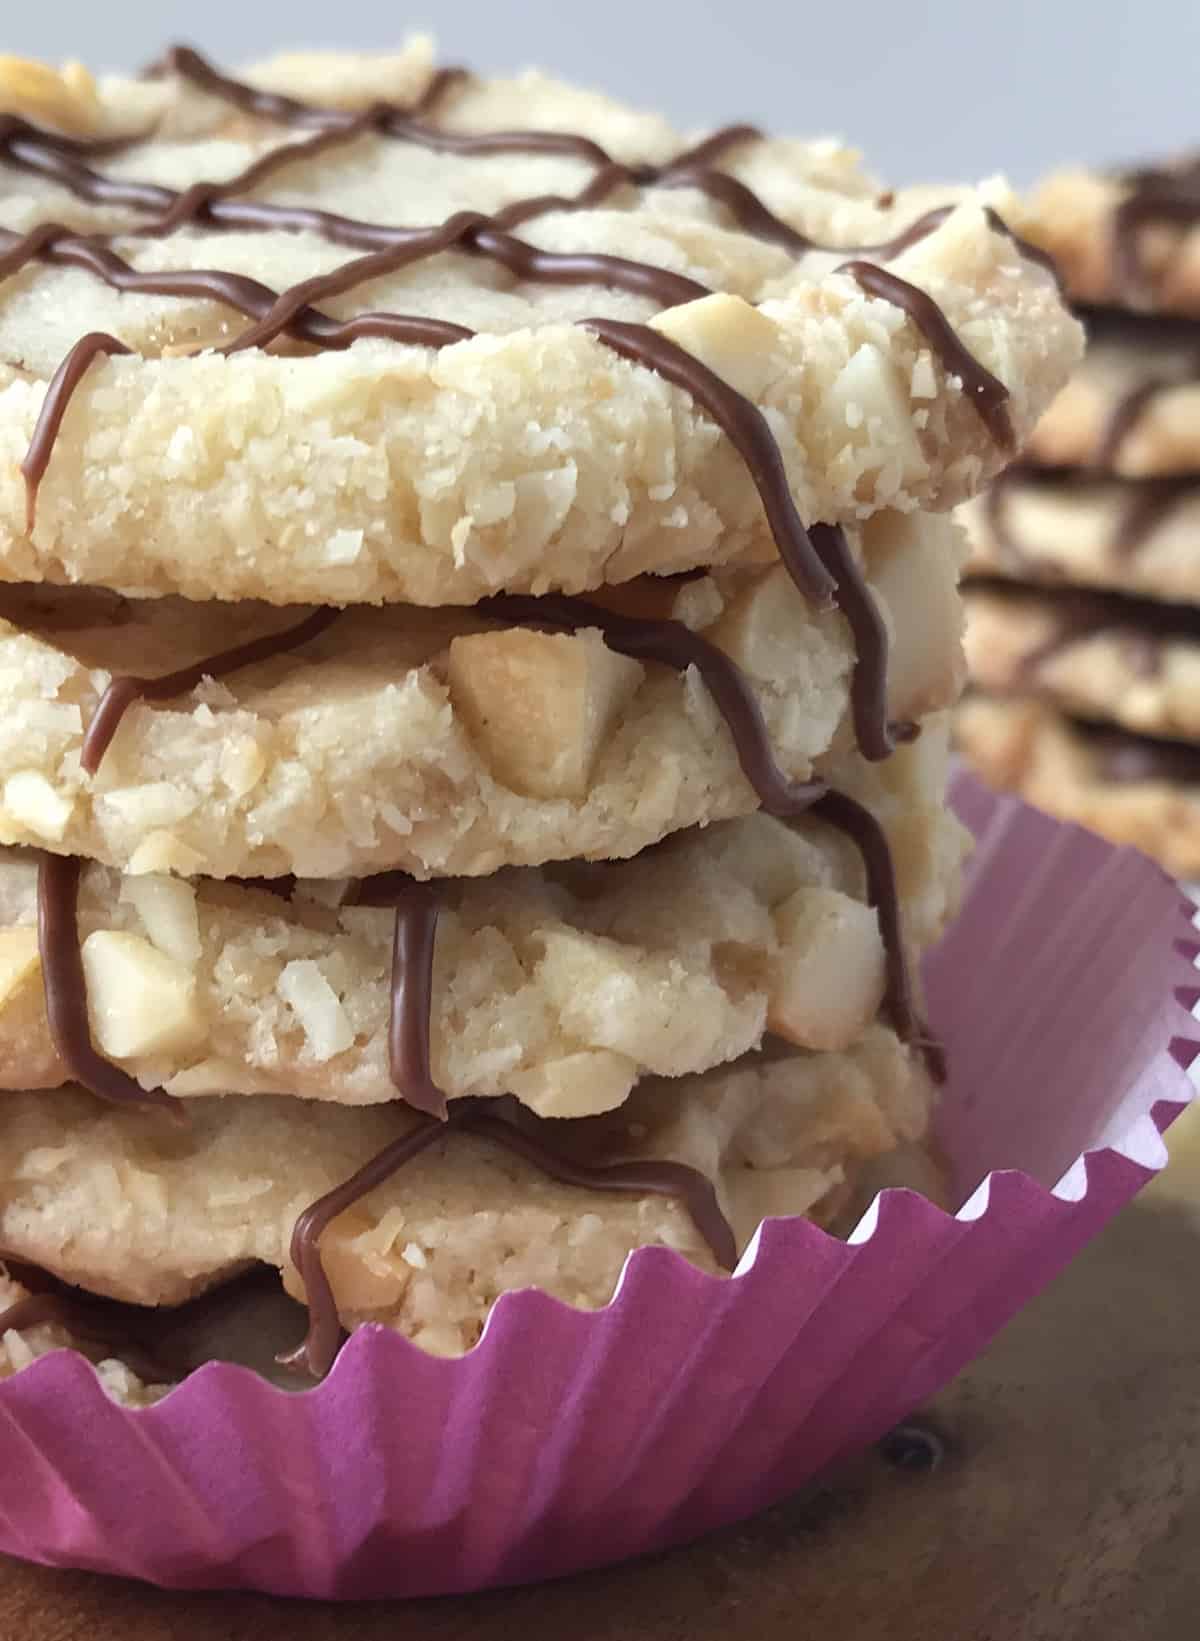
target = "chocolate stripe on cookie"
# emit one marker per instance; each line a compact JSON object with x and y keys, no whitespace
{"x":644,"y":1178}
{"x":122,"y":692}
{"x":22,"y":145}
{"x":1151,"y":502}
{"x":674,"y":645}
{"x":1158,"y":196}
{"x":66,"y":990}
{"x":1081,"y":613}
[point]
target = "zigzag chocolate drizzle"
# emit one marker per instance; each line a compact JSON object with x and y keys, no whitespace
{"x":819,"y":561}
{"x":22,"y":145}
{"x":642,"y":1178}
{"x":672,"y":644}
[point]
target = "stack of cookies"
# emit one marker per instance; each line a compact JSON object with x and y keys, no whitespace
{"x":478,"y":631}
{"x":1084,"y":636}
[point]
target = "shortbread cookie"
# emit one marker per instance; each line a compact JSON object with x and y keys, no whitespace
{"x":1138,"y":538}
{"x":1121,"y":660}
{"x":435,"y":742}
{"x":1132,"y":789}
{"x":1133,"y":406}
{"x":560,"y":985}
{"x":495,"y":441}
{"x":121,"y":1202}
{"x":1130,"y":239}
{"x":28,"y":1337}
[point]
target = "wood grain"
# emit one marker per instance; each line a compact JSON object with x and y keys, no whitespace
{"x":1067,"y":1508}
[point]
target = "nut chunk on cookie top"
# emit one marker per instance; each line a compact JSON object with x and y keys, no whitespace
{"x":442,"y":337}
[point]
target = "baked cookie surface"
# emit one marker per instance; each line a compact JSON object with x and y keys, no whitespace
{"x":122,"y":1204}
{"x":441,"y":743}
{"x":1129,"y":239}
{"x":1130,"y":788}
{"x":255,"y":444}
{"x":1126,"y":661}
{"x":1089,"y":531}
{"x":560,"y":985}
{"x":1132,"y":408}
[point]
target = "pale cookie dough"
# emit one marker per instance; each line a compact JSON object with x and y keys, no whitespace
{"x":1123,"y":358}
{"x":1065,"y":528}
{"x":1117,"y":660}
{"x":531,"y":456}
{"x":20,"y":1347}
{"x":436,"y":742}
{"x":560,"y":985}
{"x":126,"y":1204}
{"x":1066,"y":769}
{"x":1073,"y":215}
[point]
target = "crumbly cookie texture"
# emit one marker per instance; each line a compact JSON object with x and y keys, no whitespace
{"x":1072,"y":215}
{"x":436,"y":742}
{"x":1109,"y":659}
{"x":127,"y":1205}
{"x":1122,"y":358}
{"x":1029,"y":747}
{"x":532,"y":456}
{"x":21,"y":1346}
{"x":559,"y":985}
{"x":1081,"y":530}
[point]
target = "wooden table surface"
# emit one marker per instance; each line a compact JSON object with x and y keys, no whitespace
{"x":1067,"y":1507}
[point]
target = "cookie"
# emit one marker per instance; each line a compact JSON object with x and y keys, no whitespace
{"x":32,"y":1328}
{"x":520,"y":397}
{"x":1137,"y":538}
{"x":561,"y":985}
{"x":434,"y":742}
{"x":1125,"y":661}
{"x":1132,"y":407}
{"x":1129,"y":240}
{"x":1132,"y":789}
{"x":121,"y":1203}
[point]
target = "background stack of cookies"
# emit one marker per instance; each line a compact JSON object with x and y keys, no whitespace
{"x":1084,"y":636}
{"x":480,"y":931}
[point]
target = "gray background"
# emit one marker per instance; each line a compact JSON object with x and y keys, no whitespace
{"x":939,"y":89}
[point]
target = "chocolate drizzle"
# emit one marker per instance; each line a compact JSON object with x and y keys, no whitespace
{"x":671,"y":644}
{"x":1126,"y":416}
{"x":124,"y":691}
{"x":1142,"y":625}
{"x":66,"y":990}
{"x":676,"y":646}
{"x":746,"y":428}
{"x":1168,"y":346}
{"x":412,"y":992}
{"x":54,"y":407}
{"x":985,"y":392}
{"x":817,"y":559}
{"x":877,"y":739}
{"x":1157,"y":196}
{"x":640,"y":1178}
{"x":211,"y":204}
{"x":1150,"y":505}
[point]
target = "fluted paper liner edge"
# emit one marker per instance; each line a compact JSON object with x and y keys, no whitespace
{"x":567,"y":1439}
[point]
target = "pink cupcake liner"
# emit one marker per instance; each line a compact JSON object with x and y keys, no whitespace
{"x":567,"y":1439}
